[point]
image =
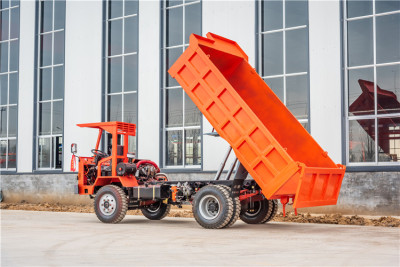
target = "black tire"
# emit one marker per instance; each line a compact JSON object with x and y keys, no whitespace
{"x":237,"y":208}
{"x":110,"y":204}
{"x":212,"y":207}
{"x":262,"y":210}
{"x":274,"y":204}
{"x":156,"y":211}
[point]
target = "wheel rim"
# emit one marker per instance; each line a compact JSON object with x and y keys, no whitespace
{"x":257,"y":209}
{"x":209,"y":207}
{"x":107,"y":204}
{"x":153,"y":208}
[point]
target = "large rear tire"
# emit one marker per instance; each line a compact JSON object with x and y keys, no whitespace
{"x":156,"y":211}
{"x":237,"y":208}
{"x":261,"y":211}
{"x":274,"y":204}
{"x":110,"y":204}
{"x":212,"y":207}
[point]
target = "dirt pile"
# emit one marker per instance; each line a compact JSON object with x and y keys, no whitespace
{"x":187,"y":213}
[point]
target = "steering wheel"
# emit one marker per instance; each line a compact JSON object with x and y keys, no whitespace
{"x":99,"y":153}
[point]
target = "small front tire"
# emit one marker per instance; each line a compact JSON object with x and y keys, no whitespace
{"x":156,"y":211}
{"x":110,"y":204}
{"x":259,"y":213}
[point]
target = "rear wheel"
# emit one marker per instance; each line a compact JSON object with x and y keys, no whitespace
{"x":257,"y":212}
{"x":110,"y":204}
{"x":213,"y":207}
{"x":274,"y":204}
{"x":236,"y":207}
{"x":156,"y":211}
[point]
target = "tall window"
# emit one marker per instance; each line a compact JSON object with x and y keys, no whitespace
{"x":50,"y":87}
{"x":283,"y":53}
{"x":372,"y":82}
{"x":9,"y":55}
{"x":182,"y":119}
{"x":122,"y":63}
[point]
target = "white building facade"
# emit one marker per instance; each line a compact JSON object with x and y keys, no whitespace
{"x":335,"y":65}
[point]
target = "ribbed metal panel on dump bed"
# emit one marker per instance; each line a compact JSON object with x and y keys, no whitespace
{"x":268,"y":140}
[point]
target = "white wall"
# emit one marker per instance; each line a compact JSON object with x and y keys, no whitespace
{"x":149,"y":80}
{"x":325,"y":76}
{"x":26,"y":86}
{"x":234,"y":20}
{"x":83,"y":75}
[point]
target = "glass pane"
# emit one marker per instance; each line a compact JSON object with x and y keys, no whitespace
{"x":388,"y":85}
{"x":44,"y":152}
{"x":174,"y":2}
{"x":13,"y":88}
{"x":271,"y":15}
{"x":114,"y":108}
{"x":131,"y":34}
{"x":5,"y":14}
{"x":46,"y":11}
{"x":4,"y":89}
{"x":272,"y":44}
{"x":130,"y":108}
{"x":192,"y":21}
{"x":192,"y":113}
{"x":57,"y":150}
{"x":386,"y":6}
{"x":115,"y":37}
{"x":362,"y":141}
{"x":388,"y":38}
{"x":389,"y":139}
{"x":115,"y":75}
{"x":172,"y":55}
{"x":58,"y":117}
{"x":14,"y":55}
{"x":297,"y":95}
{"x":297,"y":51}
{"x":3,"y":154}
{"x":44,"y":118}
{"x":59,"y":14}
{"x":114,"y":8}
{"x":12,"y":154}
{"x":296,"y":13}
{"x":175,"y":26}
{"x":360,"y":42}
{"x":174,"y":107}
{"x":14,"y":2}
{"x":45,"y":84}
{"x":131,"y":7}
{"x":3,"y":122}
{"x":361,"y":91}
{"x":305,"y":125}
{"x":193,"y":147}
{"x":58,"y":82}
{"x":276,"y":85}
{"x":132,"y":144}
{"x":357,"y":8}
{"x":174,"y":152}
{"x":14,"y":27}
{"x":131,"y":73}
{"x":45,"y":49}
{"x":12,"y":121}
{"x":59,"y":47}
{"x":4,"y":57}
{"x":4,"y":4}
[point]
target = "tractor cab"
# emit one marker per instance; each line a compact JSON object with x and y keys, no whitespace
{"x":116,"y":165}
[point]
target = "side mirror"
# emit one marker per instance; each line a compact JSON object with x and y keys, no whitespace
{"x":74,"y":148}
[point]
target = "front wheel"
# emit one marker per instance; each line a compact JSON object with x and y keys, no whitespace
{"x":257,"y":212}
{"x":156,"y":211}
{"x":110,"y":204}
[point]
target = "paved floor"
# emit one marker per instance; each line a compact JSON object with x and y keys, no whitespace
{"x":53,"y":239}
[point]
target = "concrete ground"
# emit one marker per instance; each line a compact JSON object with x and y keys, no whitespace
{"x":76,"y":239}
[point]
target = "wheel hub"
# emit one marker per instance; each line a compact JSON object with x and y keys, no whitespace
{"x":107,"y":204}
{"x":209,"y":207}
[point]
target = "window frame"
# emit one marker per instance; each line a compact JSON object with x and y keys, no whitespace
{"x":38,"y":69}
{"x":7,"y":106}
{"x":122,"y":55}
{"x":259,"y":55}
{"x":164,"y":87}
{"x":375,"y":165}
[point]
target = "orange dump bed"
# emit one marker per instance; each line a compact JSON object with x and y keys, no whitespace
{"x":272,"y":145}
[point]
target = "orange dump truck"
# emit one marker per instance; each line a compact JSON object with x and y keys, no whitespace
{"x":281,"y":156}
{"x":270,"y":144}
